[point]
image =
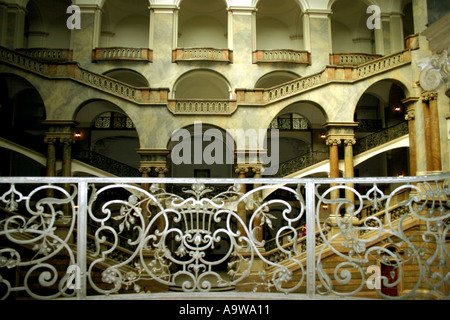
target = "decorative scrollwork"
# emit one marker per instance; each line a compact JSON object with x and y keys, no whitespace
{"x":180,"y":241}
{"x":35,"y":223}
{"x":387,"y":238}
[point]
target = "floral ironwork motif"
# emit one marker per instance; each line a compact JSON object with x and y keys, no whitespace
{"x":125,"y":238}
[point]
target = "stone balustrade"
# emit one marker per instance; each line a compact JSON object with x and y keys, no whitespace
{"x":205,"y":107}
{"x":120,"y":53}
{"x":352,"y":58}
{"x":202,"y":54}
{"x":53,"y":55}
{"x":290,"y":56}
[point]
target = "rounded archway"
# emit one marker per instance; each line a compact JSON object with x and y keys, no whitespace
{"x":379,"y":107}
{"x":120,"y":19}
{"x":201,"y":84}
{"x":45,"y":23}
{"x":300,"y":134}
{"x":275,"y":78}
{"x":201,"y":151}
{"x":107,"y":136}
{"x":202,"y":24}
{"x":128,"y":76}
{"x":349,"y":31}
{"x":279,"y":25}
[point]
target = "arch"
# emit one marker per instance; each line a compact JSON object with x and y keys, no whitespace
{"x":348,"y":27}
{"x":203,"y":24}
{"x":376,"y":89}
{"x":202,"y":84}
{"x":120,"y":19}
{"x":278,"y":25}
{"x":376,"y":162}
{"x":201,"y":150}
{"x":43,"y":24}
{"x":274,"y":78}
{"x":115,"y":142}
{"x":128,"y":76}
{"x":367,"y":2}
{"x":22,"y":111}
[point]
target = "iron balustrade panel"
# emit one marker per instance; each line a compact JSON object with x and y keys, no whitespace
{"x":90,"y":237}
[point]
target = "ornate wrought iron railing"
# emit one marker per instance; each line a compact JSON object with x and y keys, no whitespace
{"x":104,"y":163}
{"x":186,"y":240}
{"x":378,"y":138}
{"x":301,"y":162}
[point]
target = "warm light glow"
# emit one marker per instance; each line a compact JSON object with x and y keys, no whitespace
{"x":397,"y":108}
{"x":323,"y":135}
{"x":77,"y":134}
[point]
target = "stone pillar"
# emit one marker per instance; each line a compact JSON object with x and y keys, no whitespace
{"x":242,"y":170}
{"x":15,"y":26}
{"x":333,"y":143}
{"x":51,"y":156}
{"x":348,"y":167}
{"x":257,"y":170}
{"x":397,"y":42}
{"x":67,"y":156}
{"x":85,"y":39}
{"x":317,"y":37}
{"x":436,"y":166}
{"x":163,"y":31}
{"x":155,"y":159}
{"x":3,"y":24}
{"x":410,"y":117}
{"x":432,"y":134}
{"x":241,"y":41}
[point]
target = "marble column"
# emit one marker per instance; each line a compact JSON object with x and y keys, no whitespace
{"x":427,"y":133}
{"x":3,"y":24}
{"x":154,"y":159}
{"x":16,"y":26}
{"x":241,"y":210}
{"x":85,"y":39}
{"x":258,"y":197}
{"x":348,"y":168}
{"x":67,"y":156}
{"x":432,"y":133}
{"x":317,"y":36}
{"x":51,"y":156}
{"x":410,"y":116}
{"x":436,"y":165}
{"x":334,"y":143}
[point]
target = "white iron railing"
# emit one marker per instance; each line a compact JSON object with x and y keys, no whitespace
{"x":94,"y":237}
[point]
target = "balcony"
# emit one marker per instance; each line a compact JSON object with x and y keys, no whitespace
{"x":352,"y":59}
{"x":122,"y":54}
{"x":92,"y":238}
{"x":202,"y":54}
{"x":279,"y":56}
{"x":202,"y":107}
{"x":49,"y":55}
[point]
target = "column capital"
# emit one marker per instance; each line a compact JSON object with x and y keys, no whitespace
{"x":240,"y":169}
{"x":257,"y":170}
{"x":161,"y":170}
{"x":429,"y":96}
{"x":50,"y":140}
{"x":145,"y":170}
{"x":333,"y":141}
{"x":349,"y":141}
